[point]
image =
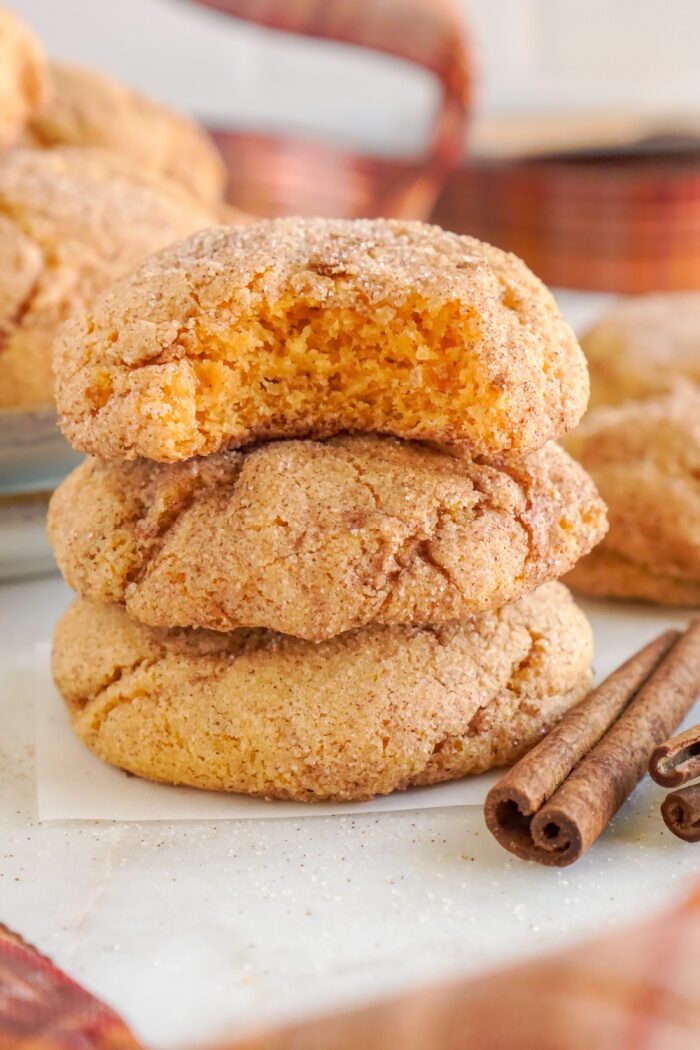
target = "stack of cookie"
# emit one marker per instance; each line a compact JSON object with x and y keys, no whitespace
{"x":316,"y":543}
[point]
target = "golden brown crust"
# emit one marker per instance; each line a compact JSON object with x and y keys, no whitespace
{"x":311,"y":327}
{"x":645,"y":459}
{"x":314,"y":539}
{"x":643,"y":347}
{"x":23,"y":77}
{"x":89,"y":108}
{"x":367,"y":713}
{"x":70,"y":222}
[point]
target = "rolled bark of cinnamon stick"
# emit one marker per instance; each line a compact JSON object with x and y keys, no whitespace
{"x":556,"y":801}
{"x":677,"y":760}
{"x":681,"y":813}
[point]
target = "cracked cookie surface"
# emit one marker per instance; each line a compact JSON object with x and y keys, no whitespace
{"x":71,"y":221}
{"x":316,"y":538}
{"x":370,"y":712}
{"x":312,"y":327}
{"x":23,"y":77}
{"x":644,"y":456}
{"x":89,"y":108}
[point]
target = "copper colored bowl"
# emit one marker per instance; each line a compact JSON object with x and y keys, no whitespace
{"x":622,"y":223}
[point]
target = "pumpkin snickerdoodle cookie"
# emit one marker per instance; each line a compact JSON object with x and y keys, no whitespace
{"x":313,"y":539}
{"x":89,"y":108}
{"x":644,"y":456}
{"x":94,"y":164}
{"x":644,"y":347}
{"x":23,"y":77}
{"x":311,"y":327}
{"x":366,"y":713}
{"x":70,"y":223}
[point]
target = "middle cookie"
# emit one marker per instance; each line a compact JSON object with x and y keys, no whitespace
{"x":312,"y":538}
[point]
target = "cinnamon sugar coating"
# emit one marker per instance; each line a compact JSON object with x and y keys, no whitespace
{"x":367,"y":713}
{"x":313,"y":539}
{"x":311,"y":327}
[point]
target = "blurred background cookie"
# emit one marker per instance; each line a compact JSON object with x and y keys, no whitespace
{"x":313,"y":538}
{"x":70,"y":222}
{"x":310,"y":327}
{"x":23,"y":77}
{"x":88,"y":108}
{"x":94,"y":162}
{"x":644,"y":456}
{"x":367,"y":713}
{"x":644,"y":346}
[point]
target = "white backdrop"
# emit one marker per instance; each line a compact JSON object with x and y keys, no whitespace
{"x":533,"y":55}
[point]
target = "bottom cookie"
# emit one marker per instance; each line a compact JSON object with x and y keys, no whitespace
{"x":366,"y":713}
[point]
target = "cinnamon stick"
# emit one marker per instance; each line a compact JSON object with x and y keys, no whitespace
{"x":555,"y":802}
{"x":677,"y":760}
{"x":681,"y":813}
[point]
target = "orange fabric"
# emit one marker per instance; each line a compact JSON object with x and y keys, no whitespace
{"x":43,"y":1009}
